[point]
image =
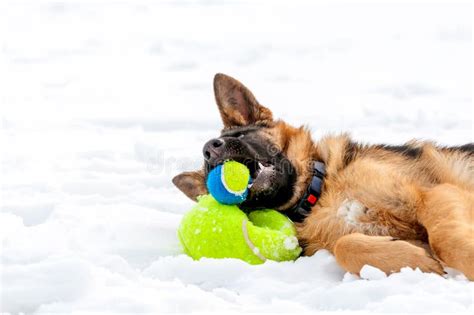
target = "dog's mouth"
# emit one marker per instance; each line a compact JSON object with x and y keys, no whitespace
{"x":262,"y":176}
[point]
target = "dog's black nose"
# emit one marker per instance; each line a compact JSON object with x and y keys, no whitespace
{"x":213,"y":149}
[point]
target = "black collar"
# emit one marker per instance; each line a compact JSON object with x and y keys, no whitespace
{"x":303,"y":208}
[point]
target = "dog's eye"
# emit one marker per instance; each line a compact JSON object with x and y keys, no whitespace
{"x":239,"y":135}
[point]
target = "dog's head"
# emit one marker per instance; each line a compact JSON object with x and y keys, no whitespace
{"x":278,"y":155}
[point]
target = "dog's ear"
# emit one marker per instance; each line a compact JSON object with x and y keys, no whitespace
{"x":237,"y":105}
{"x":192,"y":184}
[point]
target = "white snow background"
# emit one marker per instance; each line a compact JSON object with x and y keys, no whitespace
{"x":103,"y":102}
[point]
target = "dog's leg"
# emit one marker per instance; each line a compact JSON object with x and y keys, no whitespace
{"x":448,"y":216}
{"x":353,"y":251}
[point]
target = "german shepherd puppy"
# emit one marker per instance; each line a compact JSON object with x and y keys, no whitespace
{"x":386,"y":206}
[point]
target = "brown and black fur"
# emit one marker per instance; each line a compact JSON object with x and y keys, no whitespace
{"x":387,"y":206}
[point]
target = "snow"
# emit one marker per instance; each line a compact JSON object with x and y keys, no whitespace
{"x":372,"y":273}
{"x":290,"y":243}
{"x":102,"y":102}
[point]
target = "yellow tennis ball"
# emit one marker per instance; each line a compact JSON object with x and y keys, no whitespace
{"x":228,"y":183}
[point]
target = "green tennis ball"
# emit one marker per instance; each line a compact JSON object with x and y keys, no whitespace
{"x":214,"y":230}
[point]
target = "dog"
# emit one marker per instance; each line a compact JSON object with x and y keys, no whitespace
{"x":387,"y":206}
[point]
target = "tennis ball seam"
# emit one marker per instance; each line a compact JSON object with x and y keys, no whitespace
{"x":249,"y":243}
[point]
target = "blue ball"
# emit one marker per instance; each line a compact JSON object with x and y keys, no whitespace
{"x":219,"y":191}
